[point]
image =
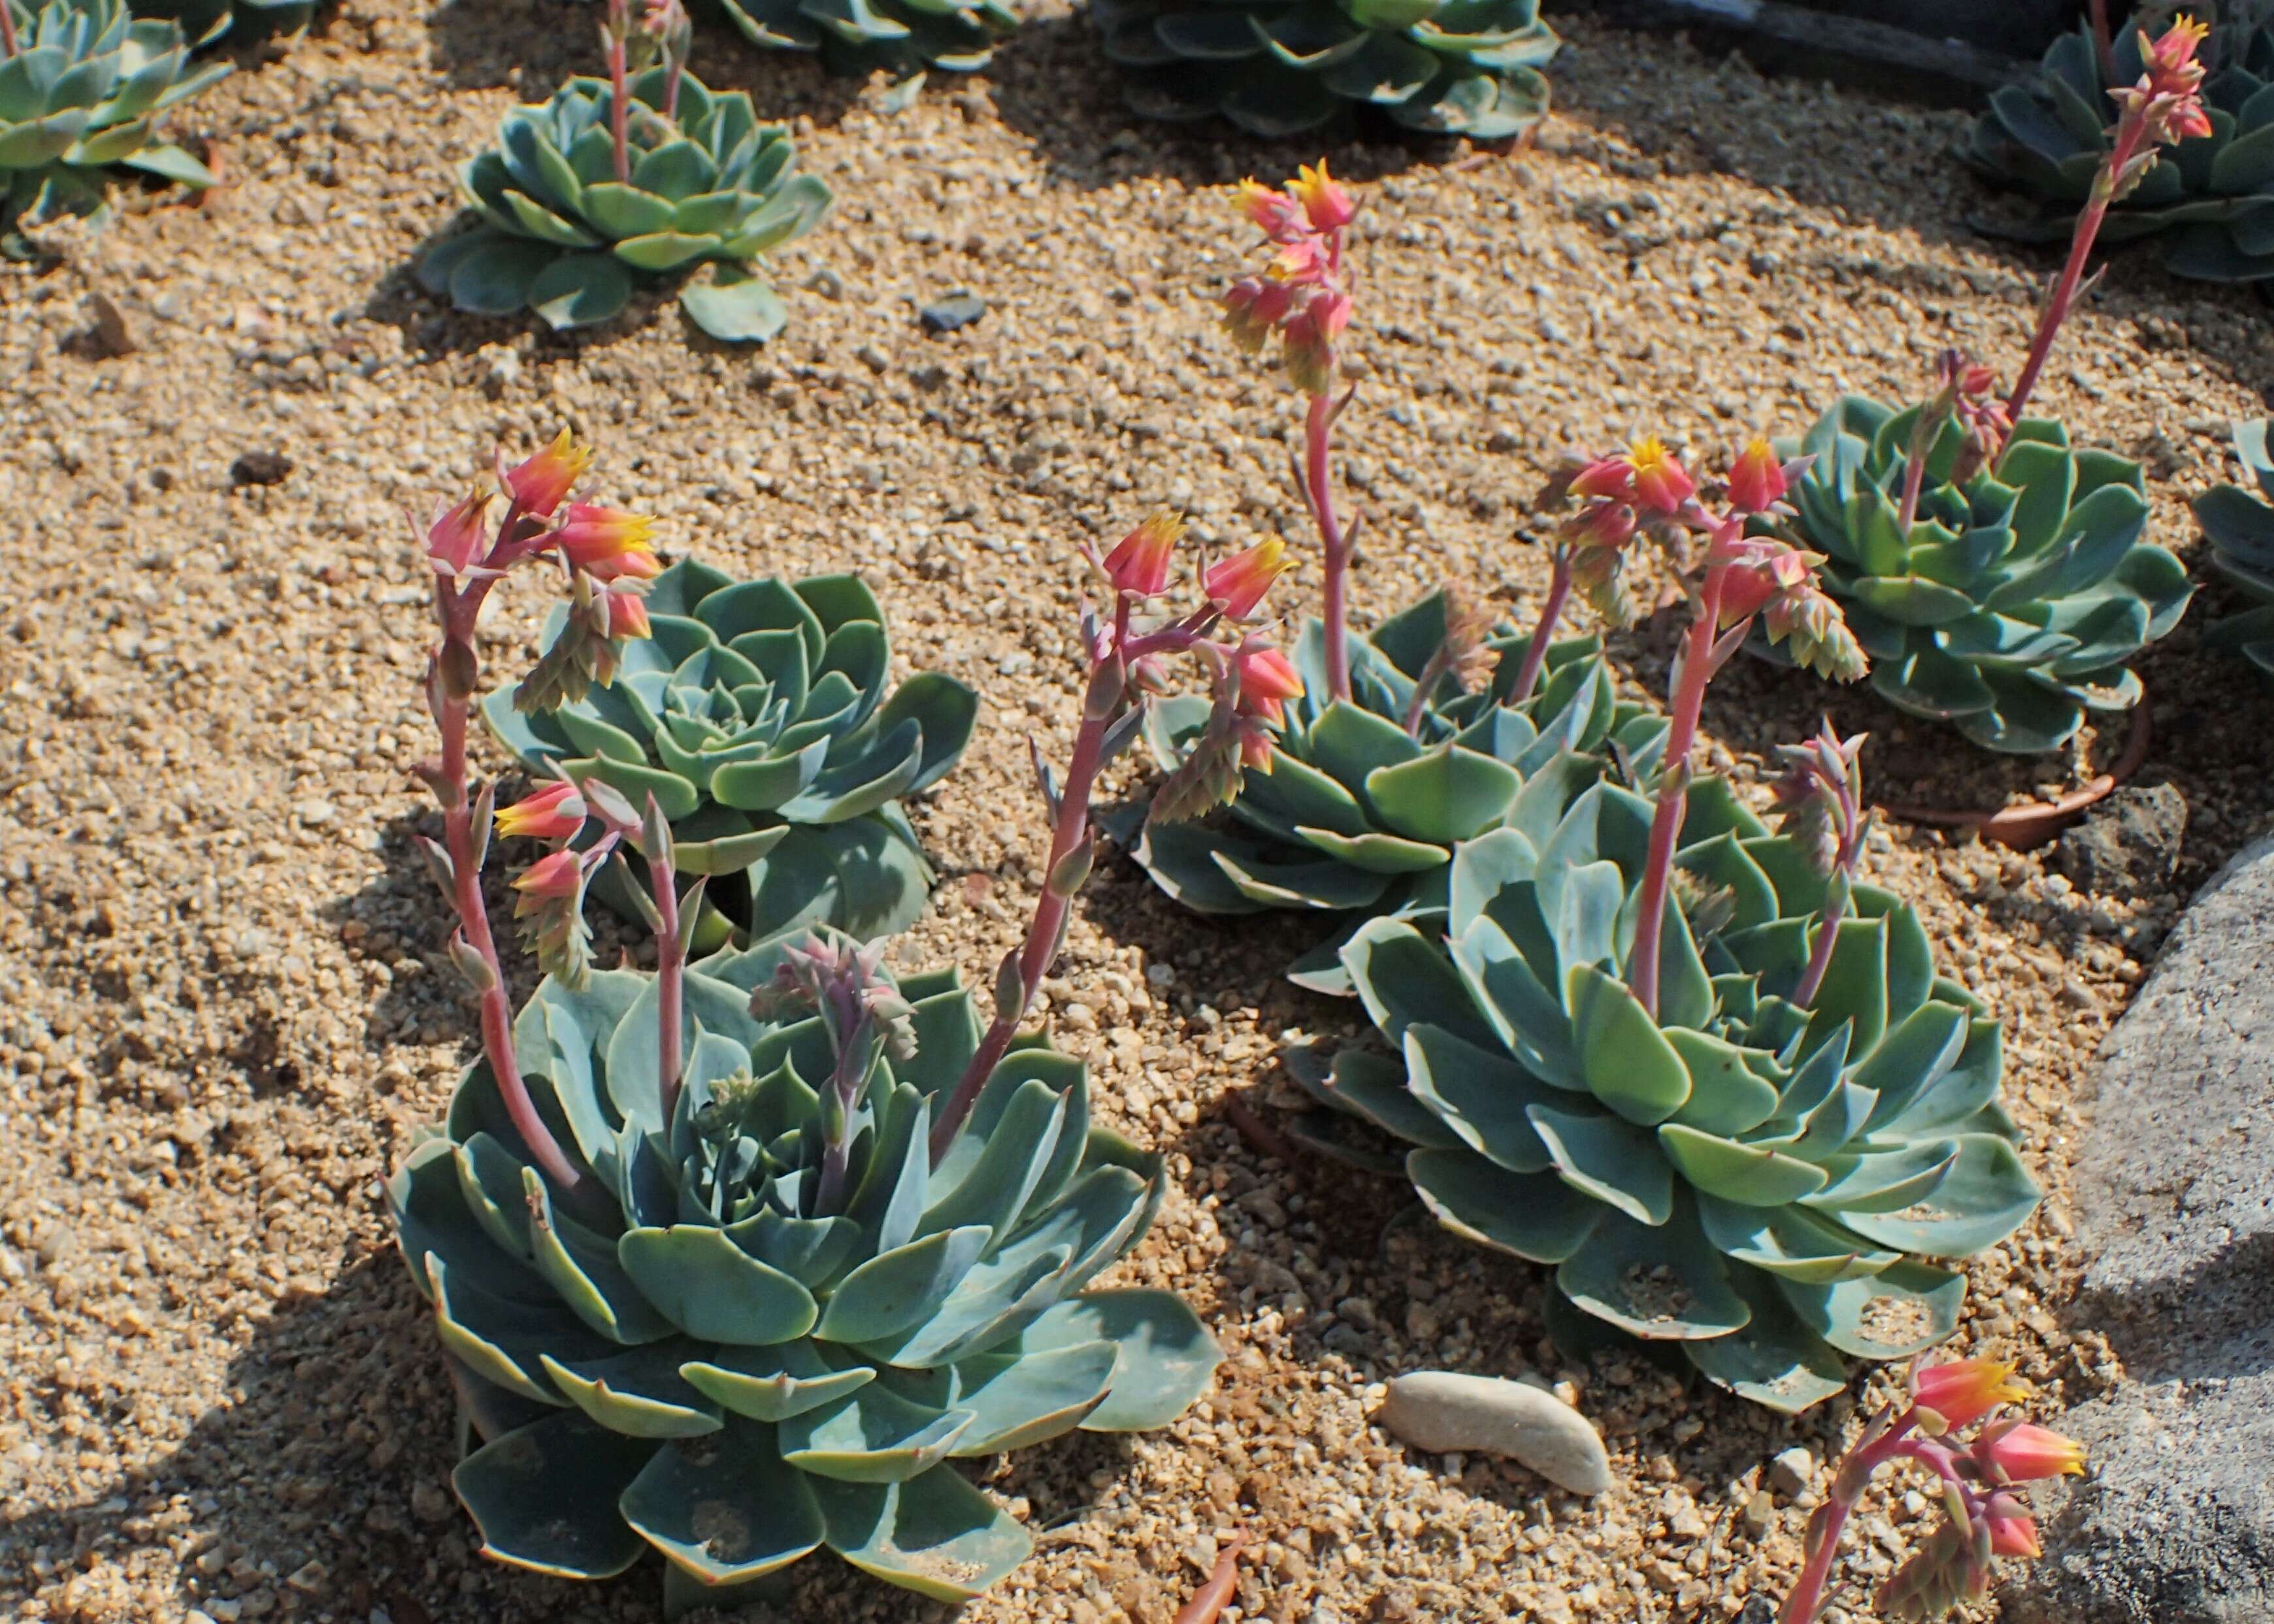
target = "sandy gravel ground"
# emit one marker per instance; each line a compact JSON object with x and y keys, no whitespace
{"x":223,"y":1003}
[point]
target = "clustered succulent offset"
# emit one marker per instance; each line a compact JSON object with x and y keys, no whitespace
{"x":860,"y":36}
{"x":764,"y":1317}
{"x":82,"y":84}
{"x":1367,"y":797}
{"x":204,"y":22}
{"x":574,"y":202}
{"x":1450,"y":67}
{"x":2240,"y":526}
{"x":760,"y":716}
{"x":2047,"y":137}
{"x":2021,"y":586}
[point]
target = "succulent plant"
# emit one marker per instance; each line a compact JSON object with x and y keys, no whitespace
{"x":2013,"y":605}
{"x":204,"y":21}
{"x":860,"y":36}
{"x":1450,"y":67}
{"x":562,"y":235}
{"x":1751,"y":1180}
{"x":2240,"y":529}
{"x":757,"y":717}
{"x":1358,"y":816}
{"x":82,"y":83}
{"x":699,"y":1349}
{"x":2048,"y":137}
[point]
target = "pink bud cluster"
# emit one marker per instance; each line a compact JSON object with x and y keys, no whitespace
{"x":2166,"y":99}
{"x":1985,"y":1519}
{"x":1303,"y":294}
{"x":549,"y":904}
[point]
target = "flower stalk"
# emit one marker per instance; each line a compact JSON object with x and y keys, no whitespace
{"x":1251,"y":681}
{"x":2162,"y":107}
{"x":1303,"y":295}
{"x":1984,"y":1518}
{"x":616,"y":45}
{"x":467,"y":561}
{"x":1551,"y":612}
{"x":1746,"y":577}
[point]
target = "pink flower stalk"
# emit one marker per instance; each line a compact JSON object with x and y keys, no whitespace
{"x":2163,"y":107}
{"x":1747,"y":577}
{"x":469,"y":561}
{"x":1125,"y":670}
{"x":1303,"y":295}
{"x":1821,"y":801}
{"x":1984,"y":1520}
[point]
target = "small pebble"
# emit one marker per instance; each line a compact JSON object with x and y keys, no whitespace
{"x":959,"y":309}
{"x":1442,"y":1411}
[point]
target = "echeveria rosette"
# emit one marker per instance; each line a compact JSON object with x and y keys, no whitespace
{"x":1755,"y":1183}
{"x":1357,"y":816}
{"x":2013,"y":605}
{"x":860,"y":36}
{"x":559,"y":235}
{"x":82,"y":93}
{"x":761,"y":717}
{"x":688,"y":1360}
{"x":204,"y":22}
{"x":1447,"y":67}
{"x":2048,"y":137}
{"x":2239,"y":526}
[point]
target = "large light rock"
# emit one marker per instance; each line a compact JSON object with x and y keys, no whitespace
{"x":1442,"y":1411}
{"x":2175,"y":1523}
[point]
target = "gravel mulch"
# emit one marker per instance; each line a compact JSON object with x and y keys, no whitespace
{"x":224,"y":1005}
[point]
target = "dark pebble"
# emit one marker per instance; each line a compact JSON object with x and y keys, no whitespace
{"x":959,"y":309}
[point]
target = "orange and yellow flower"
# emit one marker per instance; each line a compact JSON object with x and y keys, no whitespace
{"x":1968,"y":1389}
{"x":2019,"y":1451}
{"x":541,"y":484}
{"x":553,"y":813}
{"x":1236,"y":585}
{"x":1139,"y":564}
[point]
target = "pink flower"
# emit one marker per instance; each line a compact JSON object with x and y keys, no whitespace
{"x":554,"y":813}
{"x":1139,"y":564}
{"x":540,"y":482}
{"x":1659,"y":480}
{"x":1757,"y":479}
{"x":1275,"y":213}
{"x":606,"y":542}
{"x":1611,"y":477}
{"x":1267,"y":679}
{"x":1758,"y":570}
{"x":627,"y":614}
{"x":1326,"y":206}
{"x":555,"y":877}
{"x":2012,"y":1535}
{"x":458,"y":538}
{"x":2018,"y":1452}
{"x":1236,"y":585}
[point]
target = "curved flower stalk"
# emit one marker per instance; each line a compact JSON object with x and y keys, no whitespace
{"x":818,"y":1233}
{"x":1702,"y":1069}
{"x":2240,"y":526}
{"x":1404,"y":741}
{"x":1985,"y":1517}
{"x":2000,"y":579}
{"x":608,"y":560}
{"x":82,"y":85}
{"x":646,"y":173}
{"x":1128,"y":647}
{"x":2047,"y":137}
{"x":761,"y":718}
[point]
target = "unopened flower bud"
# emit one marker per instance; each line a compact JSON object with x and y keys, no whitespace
{"x":1757,"y":481}
{"x":1139,"y":564}
{"x":1236,"y":585}
{"x":541,"y":484}
{"x":2019,"y":1452}
{"x":554,"y":813}
{"x":1071,"y":872}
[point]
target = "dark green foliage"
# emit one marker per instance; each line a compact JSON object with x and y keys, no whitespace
{"x":860,"y":36}
{"x":2240,"y":529}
